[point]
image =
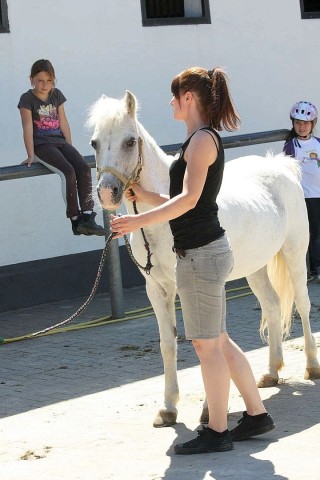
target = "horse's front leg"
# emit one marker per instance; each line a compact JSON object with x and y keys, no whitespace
{"x":204,"y":417}
{"x":270,"y":306}
{"x":162,"y":298}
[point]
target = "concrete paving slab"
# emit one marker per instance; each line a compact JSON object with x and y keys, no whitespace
{"x":79,"y":405}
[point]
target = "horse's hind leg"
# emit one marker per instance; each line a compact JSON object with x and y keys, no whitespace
{"x":270,"y":306}
{"x":162,"y":298}
{"x":296,"y":264}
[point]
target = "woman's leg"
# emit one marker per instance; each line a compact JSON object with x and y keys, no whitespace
{"x":255,"y":420}
{"x":216,"y":380}
{"x":220,"y":359}
{"x":201,"y":278}
{"x":242,"y":375}
{"x":201,"y":275}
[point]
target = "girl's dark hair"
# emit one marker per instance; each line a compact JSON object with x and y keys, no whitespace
{"x":42,"y":66}
{"x":214,"y":99}
{"x":292,"y":134}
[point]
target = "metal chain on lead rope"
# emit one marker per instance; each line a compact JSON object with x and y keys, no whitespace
{"x":92,"y":294}
{"x":147,"y":269}
{"x":149,"y":265}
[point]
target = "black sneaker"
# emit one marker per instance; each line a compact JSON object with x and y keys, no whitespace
{"x":87,"y":225}
{"x":249,"y":426}
{"x":205,"y":442}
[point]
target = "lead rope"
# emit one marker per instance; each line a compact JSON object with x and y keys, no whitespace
{"x":146,"y":269}
{"x":134,"y":177}
{"x":86,"y":303}
{"x":149,"y":265}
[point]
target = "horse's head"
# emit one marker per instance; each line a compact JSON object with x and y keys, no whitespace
{"x":117,"y":146}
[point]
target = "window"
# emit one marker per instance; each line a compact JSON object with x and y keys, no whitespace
{"x":310,"y":8}
{"x":4,"y":22}
{"x":174,"y":12}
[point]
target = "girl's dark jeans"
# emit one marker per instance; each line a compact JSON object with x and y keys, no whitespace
{"x":74,"y":172}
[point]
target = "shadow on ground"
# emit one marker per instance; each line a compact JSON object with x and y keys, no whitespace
{"x":290,"y":397}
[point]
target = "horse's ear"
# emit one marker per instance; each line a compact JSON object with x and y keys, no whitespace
{"x":131,"y":103}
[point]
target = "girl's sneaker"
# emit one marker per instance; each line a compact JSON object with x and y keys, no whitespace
{"x":74,"y":224}
{"x":87,"y":225}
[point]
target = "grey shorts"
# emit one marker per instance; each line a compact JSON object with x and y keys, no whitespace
{"x":201,"y":277}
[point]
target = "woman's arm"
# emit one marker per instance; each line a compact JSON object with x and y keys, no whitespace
{"x":27,"y":125}
{"x":200,"y":154}
{"x":64,"y":124}
{"x":136,"y":193}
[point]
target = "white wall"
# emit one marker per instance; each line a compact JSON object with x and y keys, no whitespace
{"x":101,"y":47}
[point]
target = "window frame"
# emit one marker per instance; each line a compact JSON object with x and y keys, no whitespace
{"x":158,"y":22}
{"x":307,"y":15}
{"x":4,"y":23}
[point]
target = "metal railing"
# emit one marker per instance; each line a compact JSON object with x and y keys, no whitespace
{"x":15,"y":172}
{"x":22,"y":171}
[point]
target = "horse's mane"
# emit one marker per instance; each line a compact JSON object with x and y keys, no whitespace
{"x":106,"y":109}
{"x":153,"y":145}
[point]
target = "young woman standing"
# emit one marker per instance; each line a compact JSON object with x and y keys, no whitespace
{"x":201,"y":99}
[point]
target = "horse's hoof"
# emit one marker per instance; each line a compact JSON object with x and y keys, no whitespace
{"x":267,"y":381}
{"x":204,"y":419}
{"x":165,"y":419}
{"x":312,"y":373}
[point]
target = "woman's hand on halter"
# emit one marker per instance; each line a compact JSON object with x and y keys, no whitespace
{"x":134,"y":193}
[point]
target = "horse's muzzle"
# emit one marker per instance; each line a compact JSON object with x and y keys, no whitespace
{"x":110,"y":196}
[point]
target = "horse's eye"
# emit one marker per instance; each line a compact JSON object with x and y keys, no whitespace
{"x":131,"y":143}
{"x":94,"y":144}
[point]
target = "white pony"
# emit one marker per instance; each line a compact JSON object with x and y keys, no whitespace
{"x":262,"y":209}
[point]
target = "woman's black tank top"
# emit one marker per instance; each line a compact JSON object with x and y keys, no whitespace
{"x":200,"y":225}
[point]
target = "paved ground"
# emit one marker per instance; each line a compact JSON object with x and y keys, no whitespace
{"x":79,"y":405}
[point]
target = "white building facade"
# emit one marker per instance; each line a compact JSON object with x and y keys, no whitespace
{"x":105,"y":47}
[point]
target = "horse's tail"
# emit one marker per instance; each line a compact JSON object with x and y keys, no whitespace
{"x":281,"y":282}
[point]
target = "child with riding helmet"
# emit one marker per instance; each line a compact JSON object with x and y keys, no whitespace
{"x":305,"y":147}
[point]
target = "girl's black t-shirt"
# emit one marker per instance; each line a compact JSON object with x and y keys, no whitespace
{"x":45,"y":118}
{"x":200,"y":225}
